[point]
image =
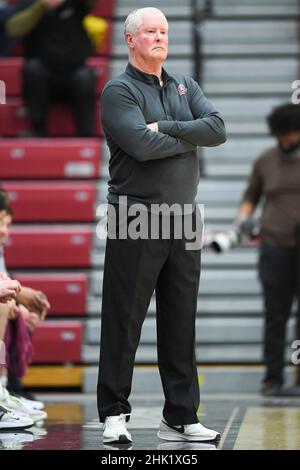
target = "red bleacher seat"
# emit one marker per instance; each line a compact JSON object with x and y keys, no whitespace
{"x":11,"y":72}
{"x":52,"y":202}
{"x":67,"y":293}
{"x":57,"y":341}
{"x":13,"y":120}
{"x":50,"y":158}
{"x":104,"y":8}
{"x":47,"y":247}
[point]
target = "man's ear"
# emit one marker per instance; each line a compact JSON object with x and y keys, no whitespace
{"x":130,"y":40}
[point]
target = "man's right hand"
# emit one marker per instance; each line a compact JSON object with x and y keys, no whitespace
{"x":52,"y":4}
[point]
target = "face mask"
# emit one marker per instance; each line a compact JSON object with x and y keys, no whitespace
{"x":292,"y":152}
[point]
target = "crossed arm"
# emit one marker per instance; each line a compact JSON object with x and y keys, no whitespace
{"x":206,"y":129}
{"x":123,"y":120}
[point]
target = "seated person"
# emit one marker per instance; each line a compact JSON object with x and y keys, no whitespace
{"x":6,"y":10}
{"x":56,"y":47}
{"x":27,"y":309}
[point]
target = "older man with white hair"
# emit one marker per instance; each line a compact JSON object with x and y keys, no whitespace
{"x":153,"y":123}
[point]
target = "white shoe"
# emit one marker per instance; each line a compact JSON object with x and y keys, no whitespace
{"x":35,"y":404}
{"x":16,"y":404}
{"x":185,"y":445}
{"x":186,"y":432}
{"x":9,"y":420}
{"x":114,"y":430}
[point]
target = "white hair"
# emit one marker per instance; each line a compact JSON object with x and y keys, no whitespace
{"x":133,"y":20}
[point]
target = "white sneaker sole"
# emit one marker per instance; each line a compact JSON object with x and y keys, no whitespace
{"x":171,"y":436}
{"x":122,"y":440}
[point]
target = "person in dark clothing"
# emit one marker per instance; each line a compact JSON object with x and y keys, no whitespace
{"x":276,"y":178}
{"x":56,"y":46}
{"x":6,"y":11}
{"x":153,"y":123}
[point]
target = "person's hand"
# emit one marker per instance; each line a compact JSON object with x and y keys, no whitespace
{"x":8,"y":289}
{"x":31,"y":319}
{"x":13,"y":310}
{"x":3,"y":276}
{"x":153,"y":126}
{"x":52,"y":4}
{"x":35,"y":301}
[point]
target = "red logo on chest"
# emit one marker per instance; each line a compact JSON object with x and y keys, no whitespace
{"x":181,"y":89}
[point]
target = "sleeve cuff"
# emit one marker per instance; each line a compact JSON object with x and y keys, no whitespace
{"x":167,"y":127}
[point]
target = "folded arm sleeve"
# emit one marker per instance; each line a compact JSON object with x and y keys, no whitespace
{"x":124,"y":122}
{"x":206,"y":130}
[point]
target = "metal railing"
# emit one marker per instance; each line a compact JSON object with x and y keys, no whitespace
{"x":199,"y":14}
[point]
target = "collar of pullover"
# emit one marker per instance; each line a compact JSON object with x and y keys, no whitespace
{"x":147,"y":77}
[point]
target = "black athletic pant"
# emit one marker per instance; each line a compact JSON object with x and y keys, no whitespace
{"x":278,"y":270}
{"x":42,"y":86}
{"x":133,"y":270}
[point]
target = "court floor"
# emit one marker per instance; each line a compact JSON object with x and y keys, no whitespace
{"x":244,"y":421}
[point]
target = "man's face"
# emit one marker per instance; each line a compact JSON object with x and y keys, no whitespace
{"x":5,"y":222}
{"x":150,"y":41}
{"x":288,"y":141}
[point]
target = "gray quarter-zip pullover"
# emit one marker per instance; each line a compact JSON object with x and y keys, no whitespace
{"x":156,"y":167}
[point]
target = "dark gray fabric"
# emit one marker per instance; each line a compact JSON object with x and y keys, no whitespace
{"x":160,"y":167}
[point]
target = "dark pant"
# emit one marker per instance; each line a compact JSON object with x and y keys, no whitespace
{"x":278,"y":270}
{"x":133,"y":270}
{"x":42,"y":86}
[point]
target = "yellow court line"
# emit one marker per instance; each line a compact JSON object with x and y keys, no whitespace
{"x":272,"y":428}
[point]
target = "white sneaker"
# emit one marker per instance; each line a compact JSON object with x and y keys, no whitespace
{"x":9,"y":420}
{"x":16,"y":404}
{"x":186,"y":432}
{"x":114,"y":430}
{"x":35,"y":404}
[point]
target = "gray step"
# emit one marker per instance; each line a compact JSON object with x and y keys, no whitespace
{"x":146,"y":380}
{"x":213,"y":282}
{"x":176,"y":8}
{"x":231,"y":354}
{"x":240,"y":306}
{"x":250,"y":111}
{"x":259,"y":8}
{"x":228,"y":170}
{"x":213,"y":88}
{"x":239,"y":149}
{"x":250,"y":70}
{"x":234,"y":259}
{"x":213,"y":191}
{"x":208,"y":331}
{"x":250,"y":37}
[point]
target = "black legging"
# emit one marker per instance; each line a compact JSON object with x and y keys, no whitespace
{"x":278,"y":269}
{"x":42,"y":85}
